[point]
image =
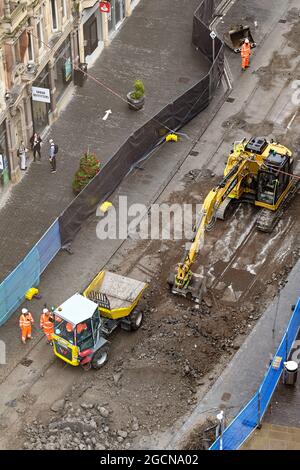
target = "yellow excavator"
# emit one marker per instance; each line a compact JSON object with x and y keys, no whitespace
{"x":257,"y":171}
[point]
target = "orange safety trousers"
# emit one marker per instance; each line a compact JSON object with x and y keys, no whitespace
{"x":25,"y":325}
{"x":245,"y":53}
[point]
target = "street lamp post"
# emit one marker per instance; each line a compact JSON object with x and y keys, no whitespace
{"x":220,"y":418}
{"x":213,"y":36}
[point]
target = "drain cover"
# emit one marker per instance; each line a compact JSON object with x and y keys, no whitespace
{"x":26,"y":362}
{"x":282,"y":21}
{"x":230,"y":100}
{"x":194,"y":153}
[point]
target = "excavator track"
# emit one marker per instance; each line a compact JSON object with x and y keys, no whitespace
{"x":267,"y":220}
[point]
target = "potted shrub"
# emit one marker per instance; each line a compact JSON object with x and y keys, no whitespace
{"x":136,"y":97}
{"x":89,"y":166}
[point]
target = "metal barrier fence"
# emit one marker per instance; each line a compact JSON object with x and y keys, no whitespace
{"x":171,"y":118}
{"x":251,"y":415}
{"x":27,"y":273}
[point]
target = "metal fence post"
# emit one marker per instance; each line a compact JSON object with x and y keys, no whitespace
{"x":259,"y":412}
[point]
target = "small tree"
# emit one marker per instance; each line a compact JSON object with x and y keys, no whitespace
{"x":139,"y":90}
{"x":89,"y":166}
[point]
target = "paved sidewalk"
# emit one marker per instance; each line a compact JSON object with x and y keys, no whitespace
{"x":153,"y":45}
{"x":274,"y":437}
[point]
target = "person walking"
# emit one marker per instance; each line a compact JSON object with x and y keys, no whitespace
{"x":47,"y":324}
{"x":36,"y":143}
{"x":245,"y":53}
{"x":22,"y":155}
{"x":53,"y":149}
{"x":26,"y":321}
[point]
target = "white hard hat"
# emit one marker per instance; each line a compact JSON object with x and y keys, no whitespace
{"x":24,"y":310}
{"x":247,"y":40}
{"x":45,"y":310}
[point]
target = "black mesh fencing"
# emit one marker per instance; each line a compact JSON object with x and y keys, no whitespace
{"x":174,"y":116}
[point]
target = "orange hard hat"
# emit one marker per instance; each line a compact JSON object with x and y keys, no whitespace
{"x":69,"y":327}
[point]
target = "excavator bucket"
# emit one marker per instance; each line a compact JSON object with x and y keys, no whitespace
{"x":235,"y":38}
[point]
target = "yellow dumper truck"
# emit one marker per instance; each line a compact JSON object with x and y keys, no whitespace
{"x":84,"y":321}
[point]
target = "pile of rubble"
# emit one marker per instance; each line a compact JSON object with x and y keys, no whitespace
{"x":87,"y":427}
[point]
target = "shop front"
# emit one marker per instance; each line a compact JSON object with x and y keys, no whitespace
{"x":4,"y":160}
{"x":63,"y":68}
{"x":40,"y":101}
{"x":92,"y":32}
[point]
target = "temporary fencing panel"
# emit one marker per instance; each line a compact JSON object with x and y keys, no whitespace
{"x":240,"y":428}
{"x":250,"y":417}
{"x":49,"y":245}
{"x":27,"y":273}
{"x":13,"y":288}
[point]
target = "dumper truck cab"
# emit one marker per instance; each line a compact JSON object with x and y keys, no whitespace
{"x":84,"y":321}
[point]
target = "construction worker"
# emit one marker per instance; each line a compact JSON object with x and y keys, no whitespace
{"x":25,"y":322}
{"x":245,"y":53}
{"x":47,"y":324}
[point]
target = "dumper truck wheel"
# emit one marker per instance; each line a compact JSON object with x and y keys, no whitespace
{"x":136,"y":319}
{"x":100,"y":358}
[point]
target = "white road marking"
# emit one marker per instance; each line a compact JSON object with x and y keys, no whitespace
{"x":107,"y":113}
{"x":292,"y":120}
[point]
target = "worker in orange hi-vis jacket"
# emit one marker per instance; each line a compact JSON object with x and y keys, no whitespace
{"x":25,"y":322}
{"x":47,"y":324}
{"x":245,"y":53}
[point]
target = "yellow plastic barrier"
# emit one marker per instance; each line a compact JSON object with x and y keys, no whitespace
{"x":31,"y":293}
{"x":172,"y":137}
{"x":105,"y":206}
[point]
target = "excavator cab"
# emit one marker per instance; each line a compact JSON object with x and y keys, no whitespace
{"x":273,"y":179}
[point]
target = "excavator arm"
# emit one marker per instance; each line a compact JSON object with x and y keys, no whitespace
{"x":212,"y":202}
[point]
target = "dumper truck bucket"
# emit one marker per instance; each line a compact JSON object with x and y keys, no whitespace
{"x":236,"y":36}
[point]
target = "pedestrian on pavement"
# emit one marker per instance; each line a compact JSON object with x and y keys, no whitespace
{"x":245,"y":53}
{"x":25,"y":322}
{"x":47,"y":324}
{"x":21,"y":152}
{"x":53,"y":149}
{"x":36,"y":143}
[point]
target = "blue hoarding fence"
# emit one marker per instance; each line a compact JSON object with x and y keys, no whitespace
{"x":251,"y":415}
{"x":27,"y":273}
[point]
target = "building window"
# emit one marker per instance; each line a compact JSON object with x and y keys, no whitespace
{"x":63,"y":68}
{"x":64,"y":8}
{"x":40,"y":34}
{"x":54,"y":15}
{"x":17,"y":52}
{"x":30,"y":49}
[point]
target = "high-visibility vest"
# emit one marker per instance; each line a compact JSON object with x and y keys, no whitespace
{"x":245,"y":50}
{"x":46,"y":323}
{"x":26,"y":320}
